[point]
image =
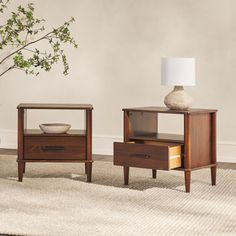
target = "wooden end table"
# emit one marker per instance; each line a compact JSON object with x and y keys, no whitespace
{"x":36,"y":146}
{"x":141,"y":137}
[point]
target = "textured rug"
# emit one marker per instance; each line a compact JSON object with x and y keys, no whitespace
{"x":54,"y":199}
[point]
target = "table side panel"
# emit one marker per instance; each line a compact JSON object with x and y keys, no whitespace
{"x":213,"y":138}
{"x":21,"y":124}
{"x":200,"y":140}
{"x":88,"y":120}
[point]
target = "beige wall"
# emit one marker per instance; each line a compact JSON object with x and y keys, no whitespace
{"x":117,"y":63}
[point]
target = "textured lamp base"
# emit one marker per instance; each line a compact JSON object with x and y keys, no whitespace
{"x":178,"y":99}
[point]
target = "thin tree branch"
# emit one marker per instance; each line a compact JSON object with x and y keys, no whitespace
{"x":26,"y":45}
{"x":10,"y":68}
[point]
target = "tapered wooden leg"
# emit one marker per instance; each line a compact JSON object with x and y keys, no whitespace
{"x":20,"y":171}
{"x":187,"y":174}
{"x":89,"y":171}
{"x":213,"y":175}
{"x":154,"y":174}
{"x":24,"y":164}
{"x":126,"y":175}
{"x":85,"y":168}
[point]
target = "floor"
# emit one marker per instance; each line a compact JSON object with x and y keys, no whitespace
{"x":55,"y":199}
{"x":221,"y":165}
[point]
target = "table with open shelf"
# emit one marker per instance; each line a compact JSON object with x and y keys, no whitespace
{"x":36,"y":146}
{"x":198,"y":142}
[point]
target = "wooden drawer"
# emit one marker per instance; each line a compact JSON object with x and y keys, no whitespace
{"x":54,"y":148}
{"x":153,"y":155}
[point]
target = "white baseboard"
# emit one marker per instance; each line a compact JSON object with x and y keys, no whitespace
{"x":103,"y":144}
{"x":8,"y":139}
{"x":226,"y":152}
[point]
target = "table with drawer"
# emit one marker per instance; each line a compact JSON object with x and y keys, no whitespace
{"x":145,"y":147}
{"x":36,"y":146}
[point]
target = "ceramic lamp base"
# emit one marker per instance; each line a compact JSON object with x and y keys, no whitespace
{"x":178,"y":99}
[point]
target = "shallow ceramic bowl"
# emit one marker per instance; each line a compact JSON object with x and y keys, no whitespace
{"x":55,"y":128}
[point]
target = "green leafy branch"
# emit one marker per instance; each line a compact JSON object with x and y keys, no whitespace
{"x":21,"y":26}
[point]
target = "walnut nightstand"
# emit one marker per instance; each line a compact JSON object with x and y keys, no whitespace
{"x":36,"y":146}
{"x":145,"y":147}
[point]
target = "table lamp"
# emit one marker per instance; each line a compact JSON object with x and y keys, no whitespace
{"x":178,"y":72}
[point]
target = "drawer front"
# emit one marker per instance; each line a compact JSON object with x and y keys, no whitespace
{"x":53,"y":148}
{"x":144,"y":156}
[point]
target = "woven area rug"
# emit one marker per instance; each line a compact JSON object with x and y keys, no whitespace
{"x":54,"y":199}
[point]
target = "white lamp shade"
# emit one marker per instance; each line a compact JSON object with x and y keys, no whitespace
{"x":178,"y":71}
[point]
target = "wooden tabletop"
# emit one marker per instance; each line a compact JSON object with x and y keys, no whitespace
{"x":167,"y":110}
{"x":58,"y":106}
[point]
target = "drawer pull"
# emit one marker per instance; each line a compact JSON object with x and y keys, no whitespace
{"x":141,"y":155}
{"x":52,"y":148}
